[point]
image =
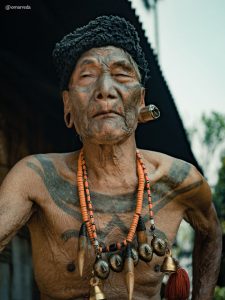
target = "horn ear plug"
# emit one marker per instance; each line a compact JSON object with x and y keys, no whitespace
{"x":148,"y":113}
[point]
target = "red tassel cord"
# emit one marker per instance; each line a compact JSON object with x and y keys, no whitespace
{"x":178,"y":286}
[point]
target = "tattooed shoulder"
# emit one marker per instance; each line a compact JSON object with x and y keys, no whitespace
{"x":173,"y":176}
{"x":62,"y":191}
{"x":178,"y":172}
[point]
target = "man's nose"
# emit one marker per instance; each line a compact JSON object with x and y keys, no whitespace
{"x":105,"y":88}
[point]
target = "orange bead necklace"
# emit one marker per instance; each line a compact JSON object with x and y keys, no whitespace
{"x":178,"y":284}
{"x":87,"y":207}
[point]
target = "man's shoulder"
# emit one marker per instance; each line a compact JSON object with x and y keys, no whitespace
{"x":55,"y":158}
{"x":177,"y":171}
{"x":36,"y":164}
{"x":163,"y":159}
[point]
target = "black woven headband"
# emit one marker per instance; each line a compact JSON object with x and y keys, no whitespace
{"x":103,"y":31}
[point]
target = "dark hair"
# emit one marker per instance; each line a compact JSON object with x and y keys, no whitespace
{"x":103,"y":31}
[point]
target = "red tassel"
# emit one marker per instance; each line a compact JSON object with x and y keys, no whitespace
{"x":178,"y":286}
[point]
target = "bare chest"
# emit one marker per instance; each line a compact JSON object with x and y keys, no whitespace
{"x":55,"y":230}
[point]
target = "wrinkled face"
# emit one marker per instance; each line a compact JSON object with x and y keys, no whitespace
{"x":105,"y":95}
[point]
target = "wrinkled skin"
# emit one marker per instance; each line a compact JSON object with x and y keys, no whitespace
{"x":102,"y":103}
{"x":105,"y":96}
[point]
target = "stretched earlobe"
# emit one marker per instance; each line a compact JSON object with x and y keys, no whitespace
{"x":68,"y":118}
{"x":148,"y":113}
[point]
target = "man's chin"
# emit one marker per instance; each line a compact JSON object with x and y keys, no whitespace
{"x":110,"y":138}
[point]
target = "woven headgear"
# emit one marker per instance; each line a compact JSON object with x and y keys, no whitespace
{"x":103,"y":31}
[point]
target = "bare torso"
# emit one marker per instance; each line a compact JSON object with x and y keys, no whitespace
{"x":55,"y":224}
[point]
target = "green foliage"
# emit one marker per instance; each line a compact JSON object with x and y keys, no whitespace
{"x":209,"y":135}
{"x":219,"y":194}
{"x":212,"y":137}
{"x":214,"y":130}
{"x":219,"y":293}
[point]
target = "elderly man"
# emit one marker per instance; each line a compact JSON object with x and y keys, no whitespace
{"x":108,"y":206}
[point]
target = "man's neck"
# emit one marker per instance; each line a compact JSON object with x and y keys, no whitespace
{"x":112,"y":166}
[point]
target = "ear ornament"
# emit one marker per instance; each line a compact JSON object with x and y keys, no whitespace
{"x":148,"y":113}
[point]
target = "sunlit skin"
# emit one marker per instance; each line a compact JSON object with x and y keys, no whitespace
{"x":102,"y":102}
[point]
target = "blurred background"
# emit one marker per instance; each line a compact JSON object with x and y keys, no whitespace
{"x":189,"y":40}
{"x":184,"y":42}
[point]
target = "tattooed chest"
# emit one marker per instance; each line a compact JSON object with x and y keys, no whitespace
{"x":113,"y":214}
{"x":113,"y":218}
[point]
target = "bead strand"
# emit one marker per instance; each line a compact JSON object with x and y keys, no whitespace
{"x":87,"y":210}
{"x":80,"y":186}
{"x":151,"y":213}
{"x":140,"y":195}
{"x":88,"y":201}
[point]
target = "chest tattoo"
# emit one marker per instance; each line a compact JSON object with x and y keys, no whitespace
{"x":65,"y":195}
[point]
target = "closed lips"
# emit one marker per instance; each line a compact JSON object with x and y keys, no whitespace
{"x":106,"y":112}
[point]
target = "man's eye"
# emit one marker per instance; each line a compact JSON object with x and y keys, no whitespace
{"x":86,"y":75}
{"x":121,"y":74}
{"x":122,"y":77}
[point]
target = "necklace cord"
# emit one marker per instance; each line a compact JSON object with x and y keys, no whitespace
{"x":87,"y":207}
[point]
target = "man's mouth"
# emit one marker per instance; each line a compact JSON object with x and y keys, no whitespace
{"x":106,"y":114}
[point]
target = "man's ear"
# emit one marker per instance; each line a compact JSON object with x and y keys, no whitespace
{"x":142,"y":102}
{"x":68,"y":115}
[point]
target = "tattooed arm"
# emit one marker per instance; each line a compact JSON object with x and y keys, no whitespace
{"x":15,"y":205}
{"x":200,"y":213}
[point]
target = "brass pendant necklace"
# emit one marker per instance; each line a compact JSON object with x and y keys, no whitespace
{"x":124,"y":255}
